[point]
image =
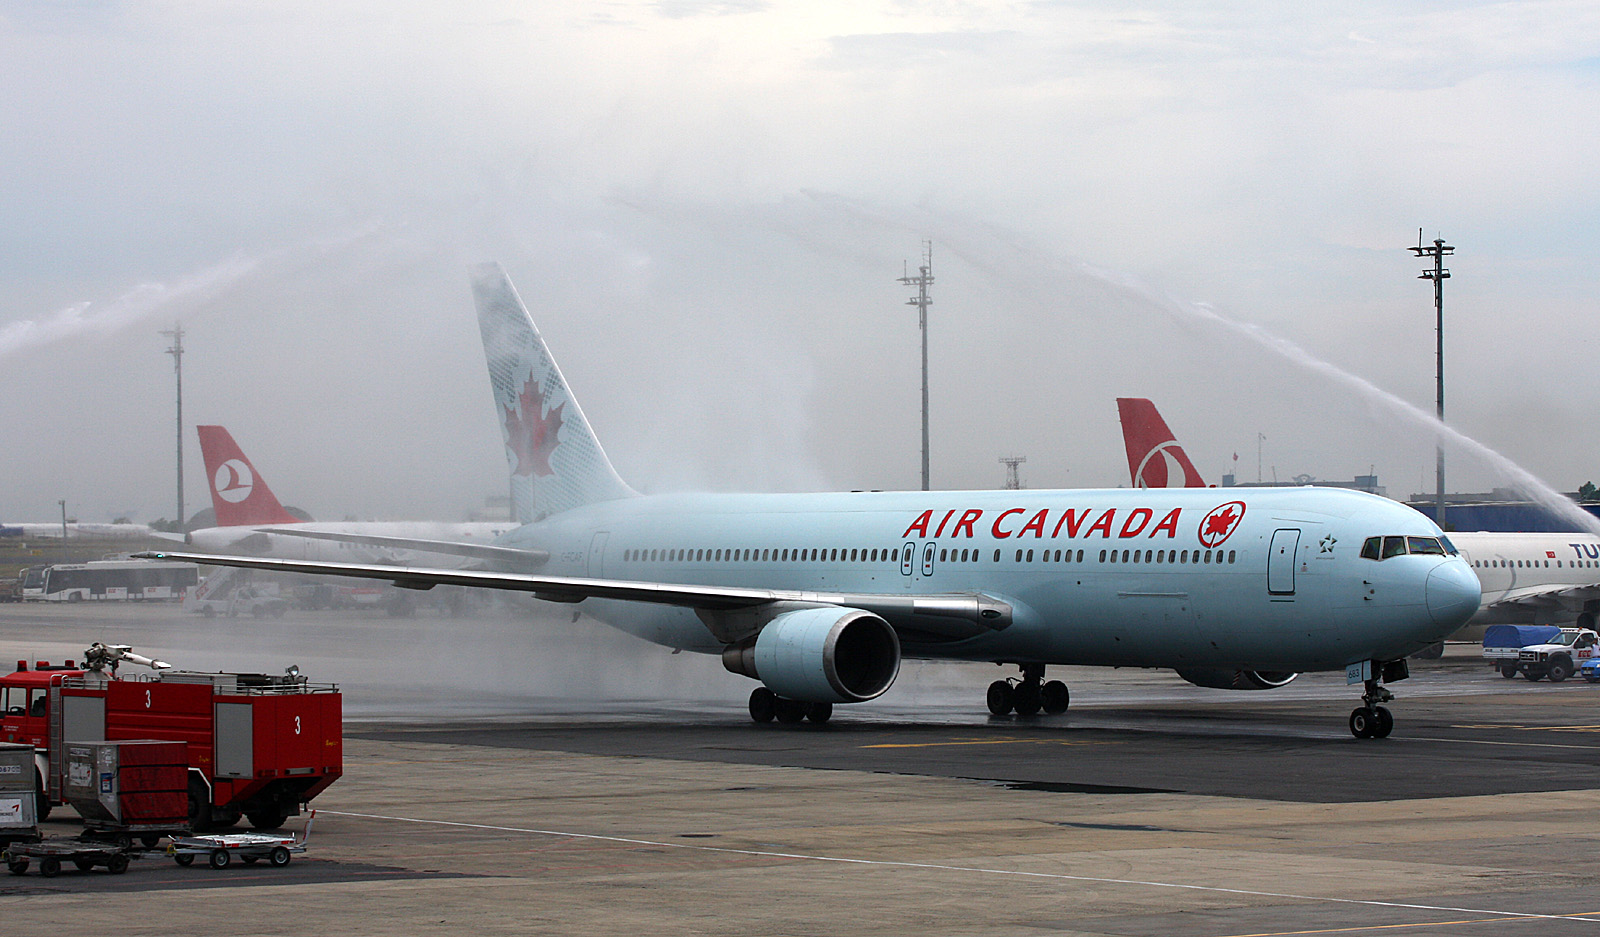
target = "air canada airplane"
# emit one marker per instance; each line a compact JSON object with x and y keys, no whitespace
{"x":820,"y":596}
{"x":1526,"y":578}
{"x":250,"y":519}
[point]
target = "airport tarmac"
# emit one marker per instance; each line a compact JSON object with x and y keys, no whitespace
{"x":554,"y":777}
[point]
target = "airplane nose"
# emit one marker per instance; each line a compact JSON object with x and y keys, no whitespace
{"x":1453,"y":593}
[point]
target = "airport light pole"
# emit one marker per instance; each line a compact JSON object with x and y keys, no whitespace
{"x":1438,"y":251}
{"x":922,"y":301}
{"x":176,"y":351}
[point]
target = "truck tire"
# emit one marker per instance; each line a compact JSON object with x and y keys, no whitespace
{"x":219,"y":859}
{"x":118,"y":864}
{"x":199,"y":805}
{"x":1533,"y":675}
{"x":270,"y":818}
{"x":18,"y":866}
{"x":184,"y":858}
{"x":1560,"y":668}
{"x":1508,"y":670}
{"x":279,"y":857}
{"x":50,"y":868}
{"x":41,"y":803}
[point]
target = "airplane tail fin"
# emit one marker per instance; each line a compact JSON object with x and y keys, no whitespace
{"x":556,"y":461}
{"x":239,"y":496}
{"x":1154,"y":457}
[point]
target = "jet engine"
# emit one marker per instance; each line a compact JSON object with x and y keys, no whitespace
{"x":1238,"y":679}
{"x":821,"y":655}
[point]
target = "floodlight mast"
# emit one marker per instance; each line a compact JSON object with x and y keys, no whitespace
{"x":1438,"y":251}
{"x":922,"y":301}
{"x":176,"y":351}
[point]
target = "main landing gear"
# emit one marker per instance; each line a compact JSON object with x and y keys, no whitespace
{"x":1371,"y":720}
{"x":1028,"y":695}
{"x":766,"y":706}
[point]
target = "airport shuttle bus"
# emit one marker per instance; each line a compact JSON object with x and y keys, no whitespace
{"x":100,"y":580}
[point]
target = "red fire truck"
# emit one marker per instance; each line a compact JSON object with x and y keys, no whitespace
{"x":260,"y":745}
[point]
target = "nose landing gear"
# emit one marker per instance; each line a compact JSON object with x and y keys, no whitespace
{"x":1371,"y":720}
{"x":1029,"y":695}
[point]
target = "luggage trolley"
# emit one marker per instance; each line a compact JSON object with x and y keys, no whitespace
{"x":220,"y":849}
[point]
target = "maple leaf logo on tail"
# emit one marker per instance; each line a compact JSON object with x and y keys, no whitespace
{"x":532,"y":434}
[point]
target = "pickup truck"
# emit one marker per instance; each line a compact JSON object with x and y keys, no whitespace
{"x":1538,"y":651}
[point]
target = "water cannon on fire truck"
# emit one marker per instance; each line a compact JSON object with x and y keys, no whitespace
{"x":102,"y":657}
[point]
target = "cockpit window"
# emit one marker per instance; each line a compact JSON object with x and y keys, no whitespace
{"x":1393,"y":546}
{"x":1369,"y":549}
{"x":1449,"y":547}
{"x":1425,"y":545}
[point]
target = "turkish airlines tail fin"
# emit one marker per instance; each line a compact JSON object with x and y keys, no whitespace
{"x":239,"y":496}
{"x":1154,"y":456}
{"x":556,"y":461}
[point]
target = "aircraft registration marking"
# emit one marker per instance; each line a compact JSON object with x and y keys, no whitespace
{"x":988,"y":742}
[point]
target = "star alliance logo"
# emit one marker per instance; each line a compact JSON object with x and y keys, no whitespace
{"x":1328,"y":540}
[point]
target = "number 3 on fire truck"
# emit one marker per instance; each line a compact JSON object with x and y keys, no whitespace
{"x":147,"y":699}
{"x":296,"y":725}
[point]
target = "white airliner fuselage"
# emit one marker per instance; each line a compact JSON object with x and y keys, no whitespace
{"x":1113,"y":577}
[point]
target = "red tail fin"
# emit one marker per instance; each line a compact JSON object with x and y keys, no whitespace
{"x":240,"y":497}
{"x":1154,"y":456}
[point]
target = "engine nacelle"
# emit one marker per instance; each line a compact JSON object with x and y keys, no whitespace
{"x":1238,"y":679}
{"x":821,"y":655}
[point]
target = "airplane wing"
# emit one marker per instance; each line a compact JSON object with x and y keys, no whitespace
{"x":942,"y":616}
{"x":505,"y":556}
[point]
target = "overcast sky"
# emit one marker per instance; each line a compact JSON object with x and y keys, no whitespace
{"x":706,"y":206}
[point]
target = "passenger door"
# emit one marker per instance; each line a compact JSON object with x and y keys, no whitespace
{"x":1280,"y":561}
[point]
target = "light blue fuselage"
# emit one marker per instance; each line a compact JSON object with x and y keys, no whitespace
{"x":1285,"y":589}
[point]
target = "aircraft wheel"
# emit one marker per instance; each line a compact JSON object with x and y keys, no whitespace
{"x":1363,"y":722}
{"x":763,"y":704}
{"x":819,"y":712}
{"x":1385,"y":723}
{"x":1026,"y":700}
{"x":1055,"y":697}
{"x":790,"y":711}
{"x":1001,"y":697}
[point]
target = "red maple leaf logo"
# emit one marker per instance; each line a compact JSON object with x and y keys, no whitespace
{"x":1220,"y":523}
{"x":532,"y":436}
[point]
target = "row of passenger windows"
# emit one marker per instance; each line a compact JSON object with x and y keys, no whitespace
{"x":1525,"y":564}
{"x":762,"y":556}
{"x":946,"y":555}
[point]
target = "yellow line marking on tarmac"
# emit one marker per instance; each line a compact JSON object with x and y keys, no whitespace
{"x":1576,"y":916}
{"x":987,"y":742}
{"x":971,"y":869}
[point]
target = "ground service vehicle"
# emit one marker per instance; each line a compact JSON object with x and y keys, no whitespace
{"x":259,"y":745}
{"x":1551,"y":652}
{"x":109,"y":579}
